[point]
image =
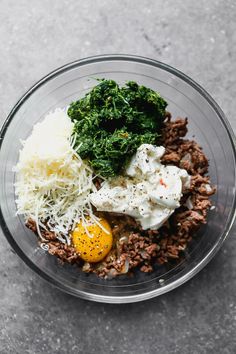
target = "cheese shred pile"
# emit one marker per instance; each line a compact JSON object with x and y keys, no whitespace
{"x":53,"y":183}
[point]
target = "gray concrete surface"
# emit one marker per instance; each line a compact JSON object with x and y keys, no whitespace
{"x":197,"y":37}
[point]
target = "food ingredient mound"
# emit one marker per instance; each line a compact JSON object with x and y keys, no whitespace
{"x":53,"y":183}
{"x":149,"y":191}
{"x":111,"y":122}
{"x":94,"y":242}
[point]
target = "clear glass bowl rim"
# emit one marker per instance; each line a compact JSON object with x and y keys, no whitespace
{"x":211,"y":253}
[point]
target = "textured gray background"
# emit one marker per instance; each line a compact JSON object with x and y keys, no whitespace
{"x":197,"y":37}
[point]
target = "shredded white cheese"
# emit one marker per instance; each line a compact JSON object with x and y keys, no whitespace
{"x":53,"y":183}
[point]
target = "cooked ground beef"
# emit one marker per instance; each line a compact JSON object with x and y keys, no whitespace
{"x":134,"y":247}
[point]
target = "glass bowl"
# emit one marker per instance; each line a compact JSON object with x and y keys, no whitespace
{"x":207,"y":124}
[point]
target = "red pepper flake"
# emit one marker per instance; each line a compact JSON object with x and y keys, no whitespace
{"x":163,"y":183}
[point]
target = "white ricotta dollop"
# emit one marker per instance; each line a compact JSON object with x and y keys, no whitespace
{"x":149,"y":191}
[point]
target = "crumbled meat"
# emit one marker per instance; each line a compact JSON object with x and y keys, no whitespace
{"x":174,"y":130}
{"x":172,"y":157}
{"x":188,"y":155}
{"x":64,"y":252}
{"x":31,"y":225}
{"x":146,"y":268}
{"x":136,"y":251}
{"x":134,"y":247}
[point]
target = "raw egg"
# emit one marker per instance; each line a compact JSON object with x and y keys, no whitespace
{"x":93,"y":245}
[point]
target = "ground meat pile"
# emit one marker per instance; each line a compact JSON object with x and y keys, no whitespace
{"x":145,"y":249}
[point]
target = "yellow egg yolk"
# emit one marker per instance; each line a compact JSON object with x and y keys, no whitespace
{"x":95,"y":246}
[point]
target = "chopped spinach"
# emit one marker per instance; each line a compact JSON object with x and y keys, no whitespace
{"x":111,"y":122}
